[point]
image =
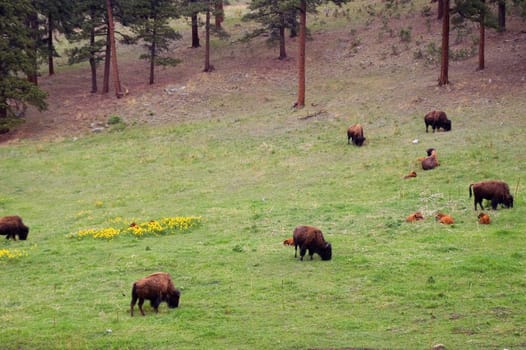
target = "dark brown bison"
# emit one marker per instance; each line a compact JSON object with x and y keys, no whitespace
{"x":355,"y":134}
{"x":157,"y":287}
{"x":484,"y":219}
{"x":12,"y":226}
{"x":430,"y":162}
{"x":437,"y":120}
{"x":311,"y":238}
{"x":498,"y":192}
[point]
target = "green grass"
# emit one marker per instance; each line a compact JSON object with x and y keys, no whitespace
{"x":253,"y":172}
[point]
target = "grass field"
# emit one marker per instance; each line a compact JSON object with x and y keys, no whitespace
{"x":252,"y":175}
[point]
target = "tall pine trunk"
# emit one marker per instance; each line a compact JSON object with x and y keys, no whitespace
{"x":208,"y":67}
{"x":32,"y":21}
{"x":111,"y":28}
{"x":482,"y":39}
{"x":219,"y":15}
{"x":153,"y":51}
{"x":195,"y":31}
{"x":300,"y":103}
{"x":107,"y":63}
{"x":440,"y":9}
{"x":502,"y":15}
{"x":444,"y":79}
{"x":50,"y":47}
{"x":92,"y":60}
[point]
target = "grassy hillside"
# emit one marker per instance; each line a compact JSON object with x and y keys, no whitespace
{"x":253,"y":168}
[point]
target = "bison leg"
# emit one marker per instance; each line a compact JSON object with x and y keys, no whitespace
{"x":132,"y":305}
{"x":141,"y":301}
{"x":494,"y":203}
{"x":295,"y":250}
{"x":155,"y":304}
{"x":302,"y":252}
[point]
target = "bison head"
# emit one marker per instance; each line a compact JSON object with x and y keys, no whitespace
{"x":173,"y":298}
{"x":326,"y":252}
{"x":508,"y":201}
{"x":22,"y":234}
{"x":447,"y":125}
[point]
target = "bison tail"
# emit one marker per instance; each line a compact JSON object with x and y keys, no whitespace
{"x":470,"y":185}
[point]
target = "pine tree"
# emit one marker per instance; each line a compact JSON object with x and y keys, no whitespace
{"x":17,"y":59}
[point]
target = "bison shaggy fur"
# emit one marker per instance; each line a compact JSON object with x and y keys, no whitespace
{"x":157,"y":287}
{"x":417,"y":216}
{"x":311,"y":238}
{"x":430,"y":162}
{"x":12,"y":226}
{"x":484,"y":219}
{"x":437,"y":120}
{"x":355,"y":134}
{"x":498,"y":192}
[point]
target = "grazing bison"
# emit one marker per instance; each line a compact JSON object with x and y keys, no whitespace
{"x":355,"y":133}
{"x":415,"y":217}
{"x":431,"y":161}
{"x":444,"y":219}
{"x":484,"y":219}
{"x":437,"y":120}
{"x":288,"y":241}
{"x":498,"y":192}
{"x":12,"y":226}
{"x":311,"y":238}
{"x":157,"y":287}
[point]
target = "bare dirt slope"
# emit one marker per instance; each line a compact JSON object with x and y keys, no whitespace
{"x":183,"y":92}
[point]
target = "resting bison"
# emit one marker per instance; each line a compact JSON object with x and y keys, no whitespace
{"x":311,"y":238}
{"x":12,"y":226}
{"x":415,"y":217}
{"x":157,"y":287}
{"x":484,"y":219}
{"x":355,"y":133}
{"x":444,"y":219}
{"x":430,"y":162}
{"x":497,"y":192}
{"x":410,"y":175}
{"x":437,"y":120}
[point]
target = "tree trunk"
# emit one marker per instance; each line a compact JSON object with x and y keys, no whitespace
{"x":301,"y":55}
{"x":93,"y":61}
{"x":50,"y":48}
{"x":502,"y":16}
{"x":208,"y":67}
{"x":219,"y":15}
{"x":282,"y":49}
{"x":482,"y":39}
{"x":195,"y":31}
{"x":153,"y":52}
{"x":107,"y":63}
{"x":440,"y":9}
{"x":111,"y":28}
{"x":32,"y":75}
{"x":444,"y":79}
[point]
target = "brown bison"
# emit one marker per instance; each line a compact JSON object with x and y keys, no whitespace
{"x":498,"y":192}
{"x":444,"y":219}
{"x":431,"y":161}
{"x":288,"y":241}
{"x":410,"y":175}
{"x":437,"y":120}
{"x":355,"y":134}
{"x":157,"y":287}
{"x":414,"y":217}
{"x":484,"y":219}
{"x":12,"y":226}
{"x":311,"y":238}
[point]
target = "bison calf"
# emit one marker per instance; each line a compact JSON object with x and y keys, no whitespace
{"x":288,"y":241}
{"x":498,"y":192}
{"x":12,"y":226}
{"x":355,"y":134}
{"x":484,"y":219}
{"x":437,"y":120}
{"x":157,"y":287}
{"x":311,"y":239}
{"x":414,"y":217}
{"x":444,"y":219}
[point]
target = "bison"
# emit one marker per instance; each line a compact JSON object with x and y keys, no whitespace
{"x":484,"y":219}
{"x":431,"y":161}
{"x":414,"y":217}
{"x":157,"y":287}
{"x":410,"y":175}
{"x":498,"y":192}
{"x":12,"y":226}
{"x":444,"y":219}
{"x":437,"y":120}
{"x":355,"y":134}
{"x":288,"y":241}
{"x":311,"y":238}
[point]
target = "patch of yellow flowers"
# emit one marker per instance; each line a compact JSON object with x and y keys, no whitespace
{"x":153,"y":227}
{"x":11,"y":254}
